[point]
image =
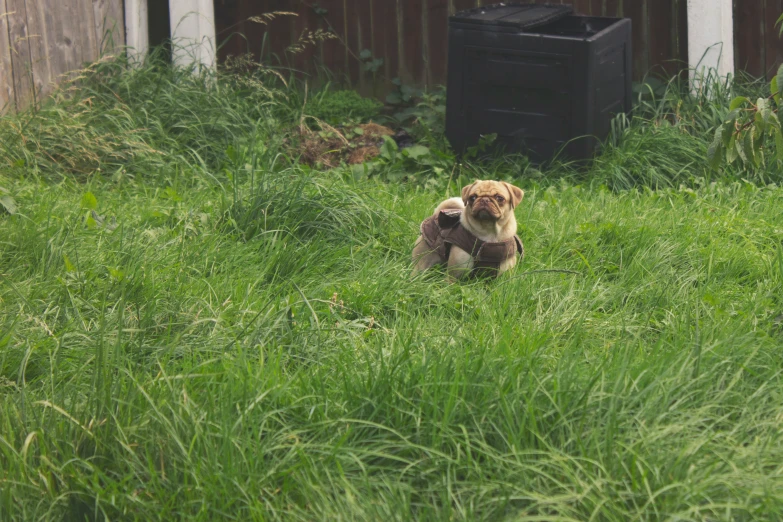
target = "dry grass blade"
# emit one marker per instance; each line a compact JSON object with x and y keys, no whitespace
{"x":265,"y":18}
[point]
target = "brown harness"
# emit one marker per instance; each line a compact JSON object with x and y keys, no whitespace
{"x":444,"y":230}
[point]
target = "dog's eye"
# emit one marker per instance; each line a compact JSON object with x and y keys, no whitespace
{"x":499,"y":199}
{"x":472,"y":199}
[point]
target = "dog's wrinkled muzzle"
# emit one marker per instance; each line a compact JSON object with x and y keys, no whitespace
{"x":484,"y":209}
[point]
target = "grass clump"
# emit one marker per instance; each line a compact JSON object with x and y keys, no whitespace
{"x":234,"y":335}
{"x":342,"y":106}
{"x":666,"y":142}
{"x":138,"y":120}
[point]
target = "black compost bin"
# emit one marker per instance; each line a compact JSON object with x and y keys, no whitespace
{"x":537,"y":76}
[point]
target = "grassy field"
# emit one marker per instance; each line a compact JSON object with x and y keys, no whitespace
{"x":234,"y":335}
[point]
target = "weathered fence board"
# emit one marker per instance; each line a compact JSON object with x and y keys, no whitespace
{"x":42,"y":41}
{"x":386,"y":28}
{"x":758,"y":48}
{"x":6,"y":74}
{"x":21,"y":65}
{"x":69,"y":36}
{"x":38,"y":35}
{"x":437,"y":17}
{"x":109,"y":25}
{"x":412,"y":35}
{"x":773,"y":52}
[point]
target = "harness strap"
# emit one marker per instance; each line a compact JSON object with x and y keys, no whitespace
{"x":444,"y":230}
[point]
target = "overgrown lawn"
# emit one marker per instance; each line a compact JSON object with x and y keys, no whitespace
{"x":195,"y":326}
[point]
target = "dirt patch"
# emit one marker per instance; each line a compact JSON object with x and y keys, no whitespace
{"x":363,"y":154}
{"x":333,"y":146}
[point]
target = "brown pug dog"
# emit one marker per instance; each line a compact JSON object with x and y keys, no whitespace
{"x":478,"y":230}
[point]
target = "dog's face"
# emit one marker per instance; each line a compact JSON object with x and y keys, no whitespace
{"x":491,"y":200}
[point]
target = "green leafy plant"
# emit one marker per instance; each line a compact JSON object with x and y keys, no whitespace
{"x":319,"y":11}
{"x":481,"y":147}
{"x":7,"y":203}
{"x":370,"y":63}
{"x":417,"y":163}
{"x":89,"y":204}
{"x":421,"y":113}
{"x":748,"y":128}
{"x":402,"y":94}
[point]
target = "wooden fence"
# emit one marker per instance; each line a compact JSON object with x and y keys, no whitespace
{"x":411,"y":35}
{"x":42,"y":40}
{"x":758,"y":48}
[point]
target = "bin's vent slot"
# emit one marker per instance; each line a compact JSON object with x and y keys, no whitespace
{"x":521,"y":16}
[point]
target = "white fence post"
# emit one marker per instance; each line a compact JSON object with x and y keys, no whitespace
{"x":193,"y":32}
{"x":710,"y":39}
{"x":137,"y":36}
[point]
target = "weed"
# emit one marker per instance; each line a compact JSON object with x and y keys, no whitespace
{"x":422,"y":113}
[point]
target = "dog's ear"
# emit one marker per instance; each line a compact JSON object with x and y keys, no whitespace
{"x":466,"y":192}
{"x":516,"y":193}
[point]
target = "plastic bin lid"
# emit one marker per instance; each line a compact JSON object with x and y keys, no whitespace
{"x":520,"y":16}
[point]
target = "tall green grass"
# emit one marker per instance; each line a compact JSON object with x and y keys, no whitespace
{"x":248,"y":342}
